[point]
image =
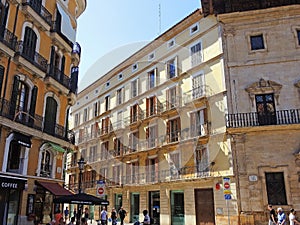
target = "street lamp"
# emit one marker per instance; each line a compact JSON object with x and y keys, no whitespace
{"x":81,"y":164}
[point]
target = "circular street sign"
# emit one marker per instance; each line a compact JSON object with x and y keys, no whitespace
{"x":100,"y":190}
{"x":226,"y":185}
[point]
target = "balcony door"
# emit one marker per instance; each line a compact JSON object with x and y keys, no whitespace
{"x":265,"y":107}
{"x":30,"y":40}
{"x":50,"y":116}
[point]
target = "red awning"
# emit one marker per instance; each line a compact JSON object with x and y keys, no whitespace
{"x":55,"y":188}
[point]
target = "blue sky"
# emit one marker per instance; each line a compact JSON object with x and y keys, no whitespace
{"x":108,"y":25}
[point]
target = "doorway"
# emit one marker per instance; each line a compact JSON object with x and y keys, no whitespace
{"x":205,"y":208}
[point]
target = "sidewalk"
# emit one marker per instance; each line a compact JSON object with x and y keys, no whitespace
{"x":94,"y":222}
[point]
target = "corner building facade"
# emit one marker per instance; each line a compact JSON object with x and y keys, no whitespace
{"x":153,"y":129}
{"x":39,"y":60}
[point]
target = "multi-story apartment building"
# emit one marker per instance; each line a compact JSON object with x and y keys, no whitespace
{"x":262,"y":44}
{"x":38,"y":83}
{"x":153,"y":129}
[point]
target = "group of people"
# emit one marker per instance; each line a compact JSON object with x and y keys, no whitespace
{"x":104,"y":217}
{"x":60,"y":219}
{"x":280,"y":218}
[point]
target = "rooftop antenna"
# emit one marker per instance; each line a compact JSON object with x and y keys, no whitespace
{"x":159,"y":18}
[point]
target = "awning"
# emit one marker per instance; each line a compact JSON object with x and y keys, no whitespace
{"x":22,"y":139}
{"x":55,"y":188}
{"x":56,"y":147}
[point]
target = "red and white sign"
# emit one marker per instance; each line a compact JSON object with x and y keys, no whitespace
{"x":100,"y":191}
{"x":226,"y":186}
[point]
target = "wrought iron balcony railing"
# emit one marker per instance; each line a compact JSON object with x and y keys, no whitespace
{"x":34,"y":121}
{"x":252,"y":119}
{"x":39,"y":9}
{"x":8,"y":38}
{"x":32,"y":56}
{"x":59,"y":76}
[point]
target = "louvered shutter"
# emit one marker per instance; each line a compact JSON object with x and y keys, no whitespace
{"x":2,"y":69}
{"x":14,"y":96}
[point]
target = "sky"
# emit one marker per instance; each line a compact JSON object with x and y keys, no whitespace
{"x":106,"y":27}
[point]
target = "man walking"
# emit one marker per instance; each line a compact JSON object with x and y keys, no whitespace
{"x":122,"y":213}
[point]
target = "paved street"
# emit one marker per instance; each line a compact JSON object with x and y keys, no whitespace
{"x":94,"y":222}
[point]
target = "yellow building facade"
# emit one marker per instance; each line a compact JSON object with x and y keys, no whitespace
{"x":39,"y":60}
{"x":153,"y":130}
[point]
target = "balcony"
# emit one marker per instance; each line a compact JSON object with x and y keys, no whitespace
{"x":7,"y":41}
{"x":58,"y":79}
{"x":34,"y":121}
{"x":30,"y":59}
{"x":253,"y":119}
{"x":168,"y":175}
{"x":37,"y":13}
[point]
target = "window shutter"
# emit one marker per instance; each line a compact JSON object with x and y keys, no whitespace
{"x":14,"y":96}
{"x":168,"y":98}
{"x":178,"y":125}
{"x":2,"y":69}
{"x":147,"y":107}
{"x":115,"y":146}
{"x":168,"y":131}
{"x":62,"y":67}
{"x":34,"y":93}
{"x":155,"y":105}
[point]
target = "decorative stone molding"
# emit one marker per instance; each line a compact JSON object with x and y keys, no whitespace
{"x":263,"y":86}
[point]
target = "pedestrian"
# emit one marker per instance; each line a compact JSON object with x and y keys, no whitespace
{"x":103,"y":216}
{"x":75,"y":213}
{"x":146,"y":217}
{"x":83,"y":221}
{"x":122,"y":213}
{"x":61,"y":221}
{"x":72,"y":220}
{"x":66,"y":212}
{"x":113,"y":216}
{"x":281,"y":218}
{"x":292,"y":217}
{"x":86,"y":214}
{"x":272,"y":218}
{"x":57,"y":217}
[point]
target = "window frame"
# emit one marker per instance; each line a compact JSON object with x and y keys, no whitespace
{"x":253,"y":34}
{"x":196,"y":58}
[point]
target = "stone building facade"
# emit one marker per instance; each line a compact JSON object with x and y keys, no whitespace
{"x":262,"y":43}
{"x":39,"y":61}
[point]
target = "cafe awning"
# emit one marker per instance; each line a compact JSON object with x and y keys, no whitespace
{"x":55,"y":188}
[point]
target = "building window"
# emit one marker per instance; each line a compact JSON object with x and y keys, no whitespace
{"x":107,"y":103}
{"x":85,"y":115}
{"x":120,"y":96}
{"x":171,"y":43}
{"x":96,"y":109}
{"x":198,"y":120}
{"x":265,"y":107}
{"x":103,"y":173}
{"x":120,"y":76}
{"x":134,"y":113}
{"x":198,"y":86}
{"x":105,"y":125}
{"x":276,"y":196}
{"x":151,"y":136}
{"x":202,"y":163}
{"x":46,"y":164}
{"x":89,"y":178}
{"x":152,"y":170}
{"x":194,"y":28}
{"x":118,"y":146}
{"x":117,"y":174}
{"x":171,"y":68}
{"x":134,"y":67}
{"x":298,"y":36}
{"x":76,"y":119}
{"x":173,"y":130}
{"x":151,"y":56}
{"x":29,"y":44}
{"x":133,"y":141}
{"x":151,"y":79}
{"x":257,"y":42}
{"x":151,"y":106}
{"x":93,"y":154}
{"x":15,"y":158}
{"x":134,"y":88}
{"x":50,"y":116}
{"x":107,"y":84}
{"x":120,"y":121}
{"x":196,"y":54}
{"x":177,"y":206}
{"x":172,"y":98}
{"x":104,"y":150}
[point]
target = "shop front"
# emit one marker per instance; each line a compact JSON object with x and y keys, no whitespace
{"x":11,"y":189}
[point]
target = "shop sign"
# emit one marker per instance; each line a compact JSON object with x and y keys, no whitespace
{"x":7,"y":183}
